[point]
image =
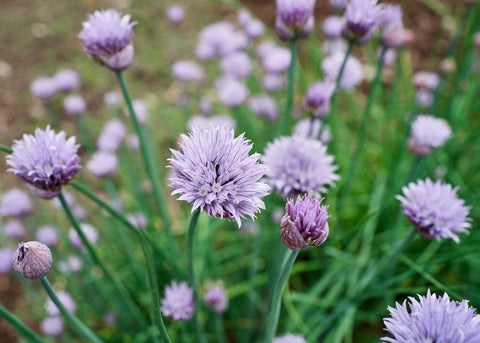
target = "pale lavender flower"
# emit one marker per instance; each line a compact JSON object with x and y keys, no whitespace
{"x":208,"y":122}
{"x":47,"y":235}
{"x":311,"y":129}
{"x":352,"y":74}
{"x":435,"y":209}
{"x":43,"y":87}
{"x":205,"y":105}
{"x":332,"y":26}
{"x":133,"y":141}
{"x":188,"y":71}
{"x":216,"y":297}
{"x":14,"y":229}
{"x":243,"y":17}
{"x":428,"y":133}
{"x":332,"y":46}
{"x":46,"y":161}
{"x":6,"y":257}
{"x":396,"y":37}
{"x":15,"y":203}
{"x":73,"y":264}
{"x":250,"y":227}
{"x":178,"y":301}
{"x":109,"y":318}
{"x":425,"y":79}
{"x":231,"y":92}
{"x":66,"y":300}
{"x":361,"y":20}
{"x":264,"y":106}
{"x":112,"y":135}
{"x":79,"y":212}
{"x":219,"y":39}
{"x":318,"y":98}
{"x":88,"y":230}
{"x":112,"y":99}
{"x":107,"y":37}
{"x":254,"y":28}
{"x":290,"y":338}
{"x":264,"y":47}
{"x":141,"y":111}
{"x":74,"y":105}
{"x":424,"y":97}
{"x":175,"y":14}
{"x":277,"y":60}
{"x":389,"y":58}
{"x":139,"y":220}
{"x":52,"y":326}
{"x":103,"y":164}
{"x":66,"y":80}
{"x":274,"y":82}
{"x":297,"y":165}
{"x":294,"y":18}
{"x":390,"y":17}
{"x":214,"y":172}
{"x":432,"y":319}
{"x":237,"y":65}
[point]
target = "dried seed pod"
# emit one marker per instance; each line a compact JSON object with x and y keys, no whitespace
{"x":32,"y":259}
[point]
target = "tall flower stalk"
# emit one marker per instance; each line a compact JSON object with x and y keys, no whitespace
{"x":290,"y":89}
{"x":21,"y":328}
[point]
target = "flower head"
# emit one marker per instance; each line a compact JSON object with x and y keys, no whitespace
{"x":231,"y":92}
{"x":66,"y":300}
{"x":297,"y":165}
{"x":112,"y":99}
{"x":432,"y":319}
{"x":43,"y":87}
{"x":112,"y":135}
{"x":188,"y":71}
{"x":352,"y":74}
{"x":274,"y":82}
{"x":175,"y":14}
{"x":46,"y":161}
{"x":32,"y":259}
{"x":390,"y":17}
{"x":15,"y":203}
{"x":332,"y":26}
{"x":428,"y":133}
{"x":318,"y":98}
{"x":72,"y":264}
{"x":66,"y":80}
{"x":52,"y":326}
{"x":290,"y":338}
{"x":47,"y":235}
{"x":88,"y":230}
{"x":236,"y":65}
{"x":435,"y":209}
{"x":208,"y":122}
{"x":276,"y":60}
{"x":74,"y":105}
{"x":426,"y":79}
{"x":311,"y":129}
{"x":6,"y":257}
{"x":264,"y":106}
{"x":294,"y":18}
{"x":103,"y":164}
{"x":14,"y":229}
{"x":214,"y":172}
{"x":107,"y":37}
{"x":216,"y":297}
{"x":178,"y":302}
{"x":361,"y":19}
{"x":219,"y":39}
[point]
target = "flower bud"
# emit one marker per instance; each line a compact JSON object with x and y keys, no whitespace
{"x":32,"y":259}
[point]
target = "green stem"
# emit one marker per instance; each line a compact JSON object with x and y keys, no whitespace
{"x":192,"y":277}
{"x":96,"y":259}
{"x":6,"y":149}
{"x":148,"y":157}
{"x":291,"y":80}
{"x":83,"y":129}
{"x":339,"y":78}
{"x":21,"y":328}
{"x":81,"y":328}
{"x":361,"y":139}
{"x":274,"y":313}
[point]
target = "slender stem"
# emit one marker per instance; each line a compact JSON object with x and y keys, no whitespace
{"x":274,"y":313}
{"x":6,"y":149}
{"x":20,"y":326}
{"x":83,"y":129}
{"x":147,"y":155}
{"x":291,"y":80}
{"x":96,"y":259}
{"x":339,"y":78}
{"x":81,"y":328}
{"x":220,"y":328}
{"x":361,"y":139}
{"x":193,"y":280}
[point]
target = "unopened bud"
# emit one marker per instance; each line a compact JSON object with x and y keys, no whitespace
{"x":32,"y":259}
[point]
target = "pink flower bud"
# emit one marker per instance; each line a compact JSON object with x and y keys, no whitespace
{"x":32,"y":259}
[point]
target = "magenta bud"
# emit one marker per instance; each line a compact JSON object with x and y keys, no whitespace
{"x":32,"y":259}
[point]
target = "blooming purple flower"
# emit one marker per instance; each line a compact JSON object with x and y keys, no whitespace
{"x":389,"y":58}
{"x":43,"y":87}
{"x":311,"y":129}
{"x":424,"y":97}
{"x":361,"y":19}
{"x":103,"y":164}
{"x":274,"y":82}
{"x":141,"y":111}
{"x":214,"y":172}
{"x":264,"y":106}
{"x":205,"y":105}
{"x":294,"y":18}
{"x":73,"y":264}
{"x":243,"y":17}
{"x":435,"y":209}
{"x":66,"y":80}
{"x":178,"y":302}
{"x":216,"y":297}
{"x":46,"y":161}
{"x":297,"y":165}
{"x":432,"y":319}
{"x":254,"y":28}
{"x":352,"y":74}
{"x":208,"y":122}
{"x":231,"y":92}
{"x":67,"y":301}
{"x":264,"y":47}
{"x":236,"y":65}
{"x":425,"y":79}
{"x":390,"y":17}
{"x":219,"y":39}
{"x":47,"y":235}
{"x":110,"y":318}
{"x":112,"y":135}
{"x":15,"y":203}
{"x":88,"y":230}
{"x":290,"y":338}
{"x":112,"y":99}
{"x":428,"y":133}
{"x":14,"y":229}
{"x":304,"y":224}
{"x":79,"y":212}
{"x":175,"y":14}
{"x":277,"y":60}
{"x":332,"y":46}
{"x":188,"y":71}
{"x":332,"y":26}
{"x":52,"y":326}
{"x":74,"y":105}
{"x":6,"y":257}
{"x":318,"y":98}
{"x":107,"y":37}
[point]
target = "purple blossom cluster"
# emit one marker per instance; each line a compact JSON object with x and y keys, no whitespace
{"x":178,"y":301}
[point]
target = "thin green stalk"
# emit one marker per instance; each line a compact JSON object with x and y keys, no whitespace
{"x":6,"y":149}
{"x":21,"y":328}
{"x":361,"y":139}
{"x":274,"y":313}
{"x":220,"y":328}
{"x":291,"y":80}
{"x":192,"y":277}
{"x":84,"y":134}
{"x":96,"y":259}
{"x":81,"y":328}
{"x":148,"y":157}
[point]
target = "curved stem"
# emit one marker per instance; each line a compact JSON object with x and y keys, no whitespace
{"x":274,"y":313}
{"x":81,"y":328}
{"x":20,"y":326}
{"x":291,"y":80}
{"x":6,"y":149}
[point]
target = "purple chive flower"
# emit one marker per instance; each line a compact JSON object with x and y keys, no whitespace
{"x":52,"y":326}
{"x":175,"y":14}
{"x":107,"y":37}
{"x":66,"y":80}
{"x":361,"y":20}
{"x":425,"y":79}
{"x":88,"y":230}
{"x":188,"y":71}
{"x":428,"y":133}
{"x":141,"y":111}
{"x":318,"y":98}
{"x":274,"y":82}
{"x":112,"y":99}
{"x":333,"y":46}
{"x":277,"y":60}
{"x":133,"y":141}
{"x":254,"y":28}
{"x":205,"y":105}
{"x":14,"y":229}
{"x":43,"y":87}
{"x":424,"y":97}
{"x":67,"y":301}
{"x":113,"y":134}
{"x":264,"y":106}
{"x":264,"y":47}
{"x":214,"y":172}
{"x":15,"y":203}
{"x":6,"y":257}
{"x":178,"y":302}
{"x":243,"y":17}
{"x":216,"y":297}
{"x":32,"y":260}
{"x":208,"y":122}
{"x":80,"y":212}
{"x":231,"y":92}
{"x":109,"y":318}
{"x":74,"y":105}
{"x":139,"y":220}
{"x":352,"y":74}
{"x":290,"y":338}
{"x":432,"y":319}
{"x":46,"y":161}
{"x":332,"y":26}
{"x":103,"y":164}
{"x":73,"y":264}
{"x":304,"y":224}
{"x":219,"y":39}
{"x":390,"y":17}
{"x":435,"y":209}
{"x":297,"y":165}
{"x":294,"y":18}
{"x":47,"y":235}
{"x":310,"y":129}
{"x":236,"y":65}
{"x":389,"y":58}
